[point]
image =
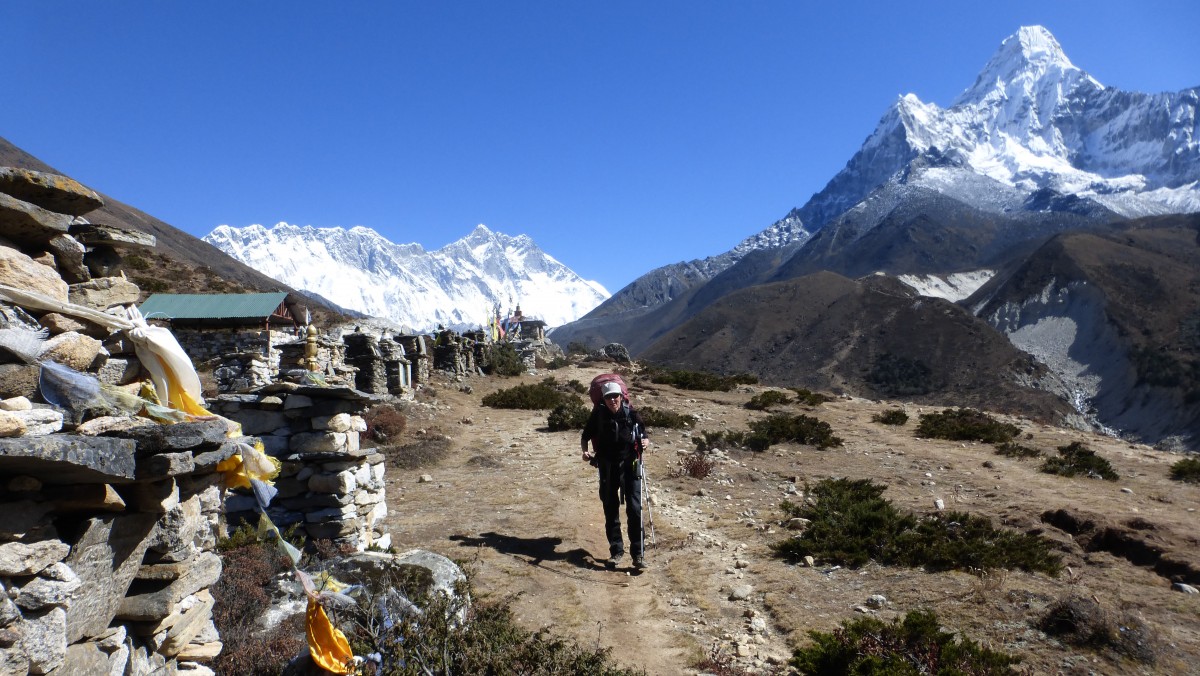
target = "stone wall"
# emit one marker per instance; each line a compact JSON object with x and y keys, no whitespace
{"x":108,"y":520}
{"x":330,"y":487}
{"x":106,"y":548}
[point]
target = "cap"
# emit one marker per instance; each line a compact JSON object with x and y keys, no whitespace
{"x":610,"y":388}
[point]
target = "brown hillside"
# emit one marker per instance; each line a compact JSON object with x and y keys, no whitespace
{"x":873,"y":337}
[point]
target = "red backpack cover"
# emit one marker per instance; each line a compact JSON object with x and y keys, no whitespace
{"x":598,"y":385}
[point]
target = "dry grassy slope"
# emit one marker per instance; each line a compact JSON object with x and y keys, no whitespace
{"x":516,"y":503}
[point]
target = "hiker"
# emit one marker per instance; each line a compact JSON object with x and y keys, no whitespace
{"x":618,"y":437}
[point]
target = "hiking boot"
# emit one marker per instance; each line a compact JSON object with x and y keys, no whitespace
{"x":639,"y":562}
{"x":614,"y":560}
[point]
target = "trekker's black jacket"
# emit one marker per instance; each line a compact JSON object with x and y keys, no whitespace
{"x":614,"y":435}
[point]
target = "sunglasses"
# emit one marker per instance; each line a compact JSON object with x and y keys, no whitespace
{"x":612,"y":396}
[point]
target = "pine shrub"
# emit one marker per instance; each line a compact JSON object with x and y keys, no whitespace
{"x":851,"y":523}
{"x":765,"y":400}
{"x":893,"y":416}
{"x":502,"y":359}
{"x":662,"y":419}
{"x":571,"y":414}
{"x":913,"y":645}
{"x":810,"y":398}
{"x":965,"y":424}
{"x":1076,"y":459}
{"x":1011,"y":449}
{"x":1186,"y":470}
{"x":539,"y":396}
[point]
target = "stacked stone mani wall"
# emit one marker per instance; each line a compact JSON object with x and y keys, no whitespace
{"x":106,"y":548}
{"x":109,"y":522}
{"x":330,"y":487}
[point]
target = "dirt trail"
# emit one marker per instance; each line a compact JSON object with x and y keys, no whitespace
{"x":516,"y":502}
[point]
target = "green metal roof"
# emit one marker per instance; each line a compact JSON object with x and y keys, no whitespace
{"x":211,"y":305}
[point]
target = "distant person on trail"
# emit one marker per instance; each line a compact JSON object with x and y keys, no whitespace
{"x":619,"y":437}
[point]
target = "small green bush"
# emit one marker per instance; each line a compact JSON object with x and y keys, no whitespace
{"x":912,"y":646}
{"x":576,"y":386}
{"x":810,"y":398}
{"x":501,"y":359}
{"x":540,"y":396}
{"x":800,"y":429}
{"x":1186,"y":470}
{"x":893,"y":416}
{"x":699,"y":380}
{"x":710,"y":441}
{"x":557,"y":363}
{"x":965,"y":424}
{"x":654,"y":417}
{"x":1011,"y":449}
{"x":765,"y":400}
{"x":572,"y":414}
{"x":851,"y":524}
{"x":1077,"y":459}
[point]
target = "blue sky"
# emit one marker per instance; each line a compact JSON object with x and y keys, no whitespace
{"x":620,"y":136}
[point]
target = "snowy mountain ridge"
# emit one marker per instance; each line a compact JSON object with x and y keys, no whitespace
{"x":1033,"y":121}
{"x":457,"y":285}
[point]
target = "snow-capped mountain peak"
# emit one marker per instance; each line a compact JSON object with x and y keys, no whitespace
{"x":456,"y":285}
{"x":1027,"y":60}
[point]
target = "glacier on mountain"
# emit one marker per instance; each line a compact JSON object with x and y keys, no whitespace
{"x":1032,"y":121}
{"x":457,"y":286}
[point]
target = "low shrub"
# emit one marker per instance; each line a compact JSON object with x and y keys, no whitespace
{"x":699,"y":380}
{"x":1077,"y":459}
{"x":424,"y":452}
{"x":502,"y":359}
{"x":711,"y":441}
{"x":1011,"y":449}
{"x":696,"y":465}
{"x":913,"y":645}
{"x":965,"y":424}
{"x":851,"y":524}
{"x":810,"y":398}
{"x":385,"y":422}
{"x":1082,"y":622}
{"x":894,"y":416}
{"x":800,"y":429}
{"x":558,"y":363}
{"x":539,"y":396}
{"x":656,"y":418}
{"x":1186,"y":470}
{"x":765,"y":400}
{"x":571,"y":414}
{"x":576,"y":386}
{"x":240,"y":596}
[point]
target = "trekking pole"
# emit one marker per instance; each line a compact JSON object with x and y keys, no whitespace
{"x":646,"y":508}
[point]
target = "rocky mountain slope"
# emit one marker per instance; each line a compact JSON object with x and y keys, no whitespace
{"x":179,"y":262}
{"x":1035,"y":146}
{"x":456,"y":286}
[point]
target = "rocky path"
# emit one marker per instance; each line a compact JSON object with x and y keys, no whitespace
{"x":516,"y":504}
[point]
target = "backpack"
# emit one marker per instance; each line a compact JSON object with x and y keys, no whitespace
{"x":598,"y":384}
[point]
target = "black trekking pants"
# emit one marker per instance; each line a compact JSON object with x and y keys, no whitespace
{"x":622,"y":475}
